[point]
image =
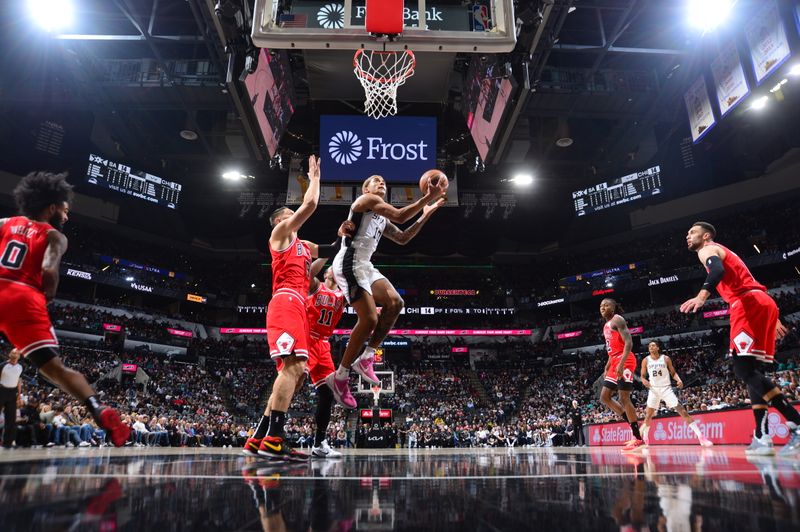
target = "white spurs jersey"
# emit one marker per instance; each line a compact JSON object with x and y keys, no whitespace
{"x":657,"y":372}
{"x":369,"y":229}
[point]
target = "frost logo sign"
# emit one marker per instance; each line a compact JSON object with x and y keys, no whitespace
{"x":398,"y":148}
{"x":345,"y":147}
{"x":331,"y":16}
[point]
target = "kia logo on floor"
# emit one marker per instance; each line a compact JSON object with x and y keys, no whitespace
{"x":398,"y":148}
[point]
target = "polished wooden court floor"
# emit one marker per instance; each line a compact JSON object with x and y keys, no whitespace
{"x":554,"y":489}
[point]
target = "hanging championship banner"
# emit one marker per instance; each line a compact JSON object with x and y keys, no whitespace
{"x":729,"y":80}
{"x":403,"y":195}
{"x":698,"y":105}
{"x":766,"y":38}
{"x":328,"y":194}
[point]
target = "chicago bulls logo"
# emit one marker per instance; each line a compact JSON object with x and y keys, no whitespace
{"x":743,"y":342}
{"x":285,"y":343}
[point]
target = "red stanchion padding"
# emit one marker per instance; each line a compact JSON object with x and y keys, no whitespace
{"x":384,"y":16}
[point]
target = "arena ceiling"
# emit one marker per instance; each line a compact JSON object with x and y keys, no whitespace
{"x":131,"y":75}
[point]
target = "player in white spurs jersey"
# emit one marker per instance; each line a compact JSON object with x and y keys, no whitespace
{"x":656,"y":372}
{"x":363,"y":285}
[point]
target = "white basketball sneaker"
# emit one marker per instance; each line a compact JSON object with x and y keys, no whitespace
{"x":761,"y":446}
{"x":324,"y":450}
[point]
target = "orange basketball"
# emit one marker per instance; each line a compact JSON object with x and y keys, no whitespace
{"x":432,"y":177}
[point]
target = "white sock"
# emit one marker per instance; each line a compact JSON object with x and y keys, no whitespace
{"x":369,"y":352}
{"x":342,"y":373}
{"x":645,"y":429}
{"x":693,"y":425}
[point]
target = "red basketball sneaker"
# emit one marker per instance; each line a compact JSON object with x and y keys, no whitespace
{"x":110,"y":421}
{"x":251,"y":446}
{"x":632,"y":445}
{"x":276,"y":448}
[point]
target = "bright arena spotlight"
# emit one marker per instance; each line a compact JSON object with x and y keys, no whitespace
{"x":522,"y":180}
{"x":759,"y":103}
{"x":706,"y":15}
{"x":51,"y":15}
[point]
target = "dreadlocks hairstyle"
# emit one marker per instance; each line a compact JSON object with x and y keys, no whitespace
{"x":708,"y":228}
{"x":617,"y":307}
{"x":39,"y":190}
{"x":274,"y":216}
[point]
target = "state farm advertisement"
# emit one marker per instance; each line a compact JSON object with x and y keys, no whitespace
{"x":728,"y":427}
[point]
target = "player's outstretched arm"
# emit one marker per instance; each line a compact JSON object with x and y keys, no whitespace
{"x":372,"y":202}
{"x":711,"y":257}
{"x":307,"y":208}
{"x":56,"y":247}
{"x":327,"y":251}
{"x":403,"y":237}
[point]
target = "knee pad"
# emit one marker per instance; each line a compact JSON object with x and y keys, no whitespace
{"x":42,"y":356}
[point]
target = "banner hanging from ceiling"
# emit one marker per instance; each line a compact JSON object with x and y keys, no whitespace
{"x":698,"y":105}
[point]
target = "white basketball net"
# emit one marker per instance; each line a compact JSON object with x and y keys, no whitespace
{"x":376,"y":393}
{"x":381,"y":73}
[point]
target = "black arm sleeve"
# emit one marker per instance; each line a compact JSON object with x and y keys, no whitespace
{"x":327,"y":251}
{"x":715,"y":272}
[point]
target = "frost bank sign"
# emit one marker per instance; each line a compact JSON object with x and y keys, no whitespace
{"x":399,"y":148}
{"x":330,"y":15}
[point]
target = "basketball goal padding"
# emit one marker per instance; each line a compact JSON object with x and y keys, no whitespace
{"x":384,"y":17}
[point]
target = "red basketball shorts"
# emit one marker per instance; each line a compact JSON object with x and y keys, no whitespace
{"x":24,"y":318}
{"x":627,"y":372}
{"x":287,"y":326}
{"x":754,"y":316}
{"x":320,"y":361}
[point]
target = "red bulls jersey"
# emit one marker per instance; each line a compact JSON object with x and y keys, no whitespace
{"x":290,"y":268}
{"x":324,"y":309}
{"x":615,"y":345}
{"x":22,"y":245}
{"x":737,"y":279}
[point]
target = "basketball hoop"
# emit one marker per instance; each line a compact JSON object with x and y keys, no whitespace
{"x":376,"y":393}
{"x":381,"y":73}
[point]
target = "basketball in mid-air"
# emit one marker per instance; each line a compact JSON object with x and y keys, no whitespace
{"x":432,"y":177}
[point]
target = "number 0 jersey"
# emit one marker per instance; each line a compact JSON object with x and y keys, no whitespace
{"x":23,"y":243}
{"x":324,"y":309}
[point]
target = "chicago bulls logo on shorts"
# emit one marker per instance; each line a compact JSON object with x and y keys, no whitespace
{"x":285,"y":344}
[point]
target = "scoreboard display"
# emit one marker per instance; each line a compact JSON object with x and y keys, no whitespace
{"x":125,"y":180}
{"x":619,"y":191}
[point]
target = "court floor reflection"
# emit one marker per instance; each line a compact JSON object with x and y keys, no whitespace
{"x":668,"y":488}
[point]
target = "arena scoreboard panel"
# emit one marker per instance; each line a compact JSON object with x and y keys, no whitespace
{"x":125,"y":180}
{"x":619,"y":191}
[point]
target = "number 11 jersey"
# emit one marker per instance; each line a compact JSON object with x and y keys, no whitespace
{"x":324,"y":309}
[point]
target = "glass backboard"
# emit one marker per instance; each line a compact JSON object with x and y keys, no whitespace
{"x":430,"y":26}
